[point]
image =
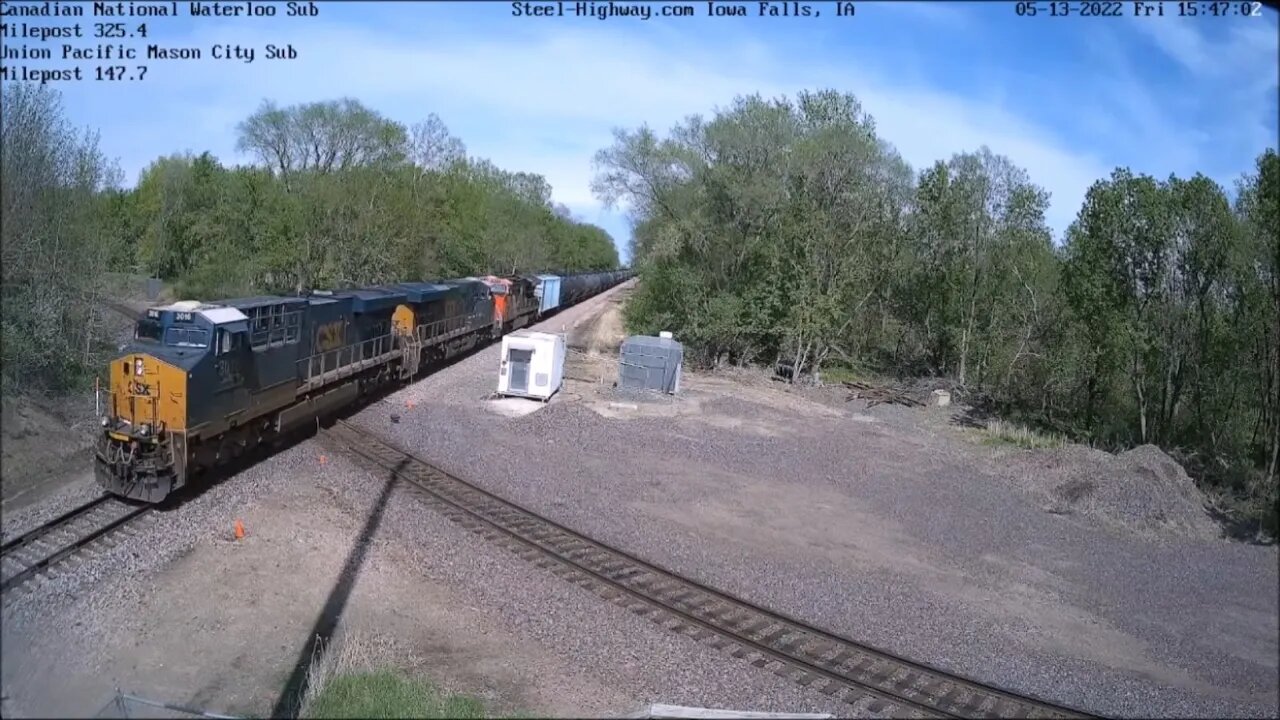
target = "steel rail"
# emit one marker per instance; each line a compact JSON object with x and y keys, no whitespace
{"x":804,"y":654}
{"x":64,"y":521}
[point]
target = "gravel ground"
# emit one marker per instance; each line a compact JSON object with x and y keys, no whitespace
{"x":78,"y":492}
{"x":837,"y":522}
{"x":65,"y":624}
{"x":66,"y":637}
{"x":788,"y":504}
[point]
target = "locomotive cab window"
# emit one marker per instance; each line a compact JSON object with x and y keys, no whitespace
{"x":147,"y":329}
{"x":228,"y":342}
{"x":186,"y":337}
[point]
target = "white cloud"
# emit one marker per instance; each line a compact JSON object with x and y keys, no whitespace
{"x":1229,"y":69}
{"x":1231,"y":48}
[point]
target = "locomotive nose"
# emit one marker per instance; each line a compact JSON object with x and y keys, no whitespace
{"x":147,"y":395}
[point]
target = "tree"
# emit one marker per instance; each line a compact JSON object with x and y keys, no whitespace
{"x":1258,"y":264}
{"x":53,"y":183}
{"x":773,"y":216}
{"x":983,"y":247}
{"x":432,"y":148}
{"x":322,"y":137}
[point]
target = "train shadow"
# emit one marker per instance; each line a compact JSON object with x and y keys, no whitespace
{"x":216,"y":476}
{"x":294,"y":692}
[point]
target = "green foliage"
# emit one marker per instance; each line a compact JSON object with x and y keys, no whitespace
{"x":387,"y":694}
{"x":54,"y":195}
{"x":786,"y":230}
{"x":343,"y":197}
{"x":1000,"y":433}
{"x":761,"y":230}
{"x":347,"y":198}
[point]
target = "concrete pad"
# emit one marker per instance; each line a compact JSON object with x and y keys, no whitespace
{"x":514,"y":406}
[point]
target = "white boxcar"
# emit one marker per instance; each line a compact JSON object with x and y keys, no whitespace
{"x":532,"y":364}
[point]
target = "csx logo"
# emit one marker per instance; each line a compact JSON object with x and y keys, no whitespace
{"x":329,"y":336}
{"x":137,"y":388}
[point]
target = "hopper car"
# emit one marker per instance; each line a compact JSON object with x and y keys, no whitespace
{"x":204,"y":383}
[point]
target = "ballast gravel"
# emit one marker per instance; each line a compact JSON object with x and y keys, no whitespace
{"x":884,"y":536}
{"x":861,"y":527}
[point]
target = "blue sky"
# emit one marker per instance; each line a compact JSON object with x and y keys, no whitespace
{"x":1066,"y":98}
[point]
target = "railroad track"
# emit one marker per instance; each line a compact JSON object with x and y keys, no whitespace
{"x":869,"y":680}
{"x":34,"y":552}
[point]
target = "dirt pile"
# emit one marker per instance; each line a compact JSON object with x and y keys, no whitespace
{"x":42,"y":439}
{"x":1142,"y":490}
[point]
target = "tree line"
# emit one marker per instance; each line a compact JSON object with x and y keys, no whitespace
{"x":788,"y":230}
{"x":339,"y":196}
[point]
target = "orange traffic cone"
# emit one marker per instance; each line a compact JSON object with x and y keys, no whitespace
{"x":239,"y":530}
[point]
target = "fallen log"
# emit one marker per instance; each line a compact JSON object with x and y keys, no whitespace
{"x":876,"y":395}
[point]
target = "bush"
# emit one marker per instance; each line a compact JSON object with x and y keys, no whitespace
{"x":999,"y":432}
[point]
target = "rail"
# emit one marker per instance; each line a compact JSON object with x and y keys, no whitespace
{"x":35,"y":551}
{"x":868,"y":679}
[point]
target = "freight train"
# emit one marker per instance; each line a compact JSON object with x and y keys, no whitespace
{"x":204,"y":383}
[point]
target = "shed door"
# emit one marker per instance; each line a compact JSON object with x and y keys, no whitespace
{"x":519,"y":362}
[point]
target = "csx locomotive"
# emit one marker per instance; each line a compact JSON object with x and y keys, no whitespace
{"x":202,"y":383}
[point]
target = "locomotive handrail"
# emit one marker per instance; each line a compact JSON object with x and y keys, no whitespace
{"x":441,"y":329}
{"x":347,"y":355}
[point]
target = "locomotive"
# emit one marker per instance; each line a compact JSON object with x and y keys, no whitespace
{"x":204,"y":383}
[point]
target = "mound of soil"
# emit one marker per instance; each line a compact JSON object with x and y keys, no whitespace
{"x":44,"y":443}
{"x":1142,"y":490}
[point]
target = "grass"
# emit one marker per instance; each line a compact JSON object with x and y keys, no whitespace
{"x":839,"y":372}
{"x":356,"y":678}
{"x":388,"y":694}
{"x":999,"y":432}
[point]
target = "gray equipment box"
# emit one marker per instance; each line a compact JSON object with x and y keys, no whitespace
{"x":651,"y":363}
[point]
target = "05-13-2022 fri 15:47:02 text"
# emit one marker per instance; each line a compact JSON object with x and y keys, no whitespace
{"x":1138,"y":8}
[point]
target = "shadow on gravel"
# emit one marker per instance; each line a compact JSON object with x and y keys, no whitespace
{"x":289,"y":704}
{"x":1234,"y":528}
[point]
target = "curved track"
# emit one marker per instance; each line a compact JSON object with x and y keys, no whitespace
{"x":25,"y":556}
{"x":869,"y":680}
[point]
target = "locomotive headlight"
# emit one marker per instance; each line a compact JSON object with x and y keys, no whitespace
{"x":105,"y":421}
{"x":145,"y":430}
{"x":137,"y":366}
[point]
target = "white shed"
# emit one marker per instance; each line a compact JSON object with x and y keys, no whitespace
{"x":532,"y":364}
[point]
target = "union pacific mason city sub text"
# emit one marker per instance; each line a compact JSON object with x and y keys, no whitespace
{"x":113,"y":51}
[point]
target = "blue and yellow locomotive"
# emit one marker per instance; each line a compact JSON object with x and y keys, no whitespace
{"x":203,"y":383}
